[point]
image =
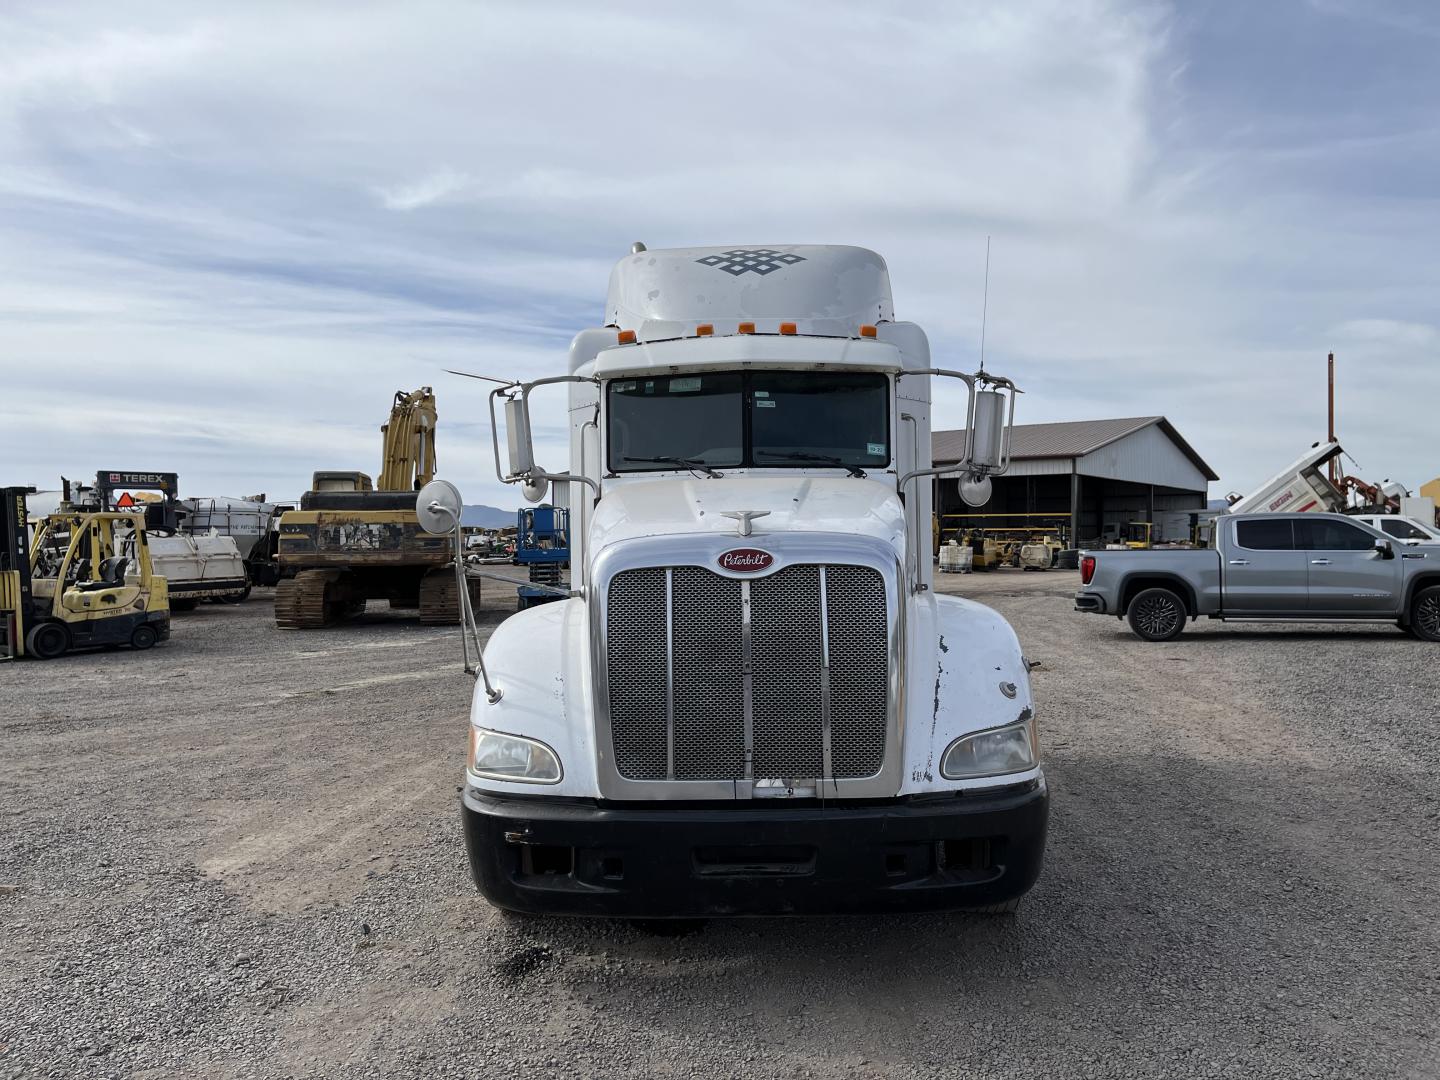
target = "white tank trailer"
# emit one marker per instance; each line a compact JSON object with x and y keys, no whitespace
{"x":751,"y":700}
{"x":251,"y":522}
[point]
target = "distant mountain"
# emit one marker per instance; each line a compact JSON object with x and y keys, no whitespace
{"x":487,"y":517}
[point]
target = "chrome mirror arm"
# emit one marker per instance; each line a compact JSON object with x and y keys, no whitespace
{"x":469,"y":631}
{"x":508,"y":391}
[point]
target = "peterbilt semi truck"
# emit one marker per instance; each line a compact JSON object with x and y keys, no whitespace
{"x":752,"y":701}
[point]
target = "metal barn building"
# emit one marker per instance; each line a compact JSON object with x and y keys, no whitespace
{"x":1080,"y":477}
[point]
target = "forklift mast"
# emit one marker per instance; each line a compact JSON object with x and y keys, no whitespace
{"x":15,"y":599}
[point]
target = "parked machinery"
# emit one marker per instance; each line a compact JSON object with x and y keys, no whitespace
{"x":349,"y":543}
{"x":74,"y":587}
{"x":1040,"y":554}
{"x":196,"y":565}
{"x":542,"y":544}
{"x":251,"y":522}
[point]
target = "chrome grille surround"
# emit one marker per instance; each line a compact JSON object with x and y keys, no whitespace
{"x":749,"y":663}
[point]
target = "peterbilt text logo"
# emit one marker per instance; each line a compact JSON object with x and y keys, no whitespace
{"x":745,"y":560}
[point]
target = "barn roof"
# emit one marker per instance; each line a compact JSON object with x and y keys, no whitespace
{"x":1071,"y":439}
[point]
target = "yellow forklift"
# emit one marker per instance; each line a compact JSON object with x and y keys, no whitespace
{"x":349,"y":543}
{"x":76,"y":587}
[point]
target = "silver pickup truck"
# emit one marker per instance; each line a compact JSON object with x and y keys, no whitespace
{"x":1286,"y":567}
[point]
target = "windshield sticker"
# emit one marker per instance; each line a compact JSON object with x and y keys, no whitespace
{"x":649,"y":386}
{"x":875,"y":449}
{"x":684,"y":386}
{"x":623,"y":387}
{"x":764,"y":404}
{"x":762,"y":393}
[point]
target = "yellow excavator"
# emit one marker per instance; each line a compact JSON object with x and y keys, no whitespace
{"x":352,"y":541}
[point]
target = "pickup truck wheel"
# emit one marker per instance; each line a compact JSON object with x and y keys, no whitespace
{"x":1157,"y":615}
{"x":1425,"y":614}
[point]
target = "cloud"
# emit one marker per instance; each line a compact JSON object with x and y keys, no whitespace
{"x":259,"y":221}
{"x":424,"y":191}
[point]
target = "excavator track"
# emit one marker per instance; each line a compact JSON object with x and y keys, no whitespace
{"x":305,"y":601}
{"x":440,"y":598}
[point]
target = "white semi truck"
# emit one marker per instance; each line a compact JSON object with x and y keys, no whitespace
{"x":752,"y":701}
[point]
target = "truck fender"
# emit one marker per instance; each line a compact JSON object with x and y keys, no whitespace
{"x":539,"y":660}
{"x":1418,"y":582}
{"x":963,"y":662}
{"x":1135,"y":582}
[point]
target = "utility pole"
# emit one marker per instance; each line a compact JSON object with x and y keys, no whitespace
{"x":1334,"y":464}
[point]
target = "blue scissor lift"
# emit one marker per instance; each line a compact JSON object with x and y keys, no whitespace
{"x":542,"y":543}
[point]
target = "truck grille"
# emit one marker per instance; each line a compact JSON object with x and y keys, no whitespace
{"x":682,"y":706}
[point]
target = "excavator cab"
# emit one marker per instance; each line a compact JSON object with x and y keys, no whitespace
{"x":86,"y":590}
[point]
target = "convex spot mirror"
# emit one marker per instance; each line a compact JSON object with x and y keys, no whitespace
{"x":975,"y":490}
{"x":438,"y":506}
{"x":534,"y":489}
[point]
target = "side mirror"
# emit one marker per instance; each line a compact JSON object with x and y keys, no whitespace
{"x":1385,"y":548}
{"x":517,"y":436}
{"x":987,"y":440}
{"x":439,"y":506}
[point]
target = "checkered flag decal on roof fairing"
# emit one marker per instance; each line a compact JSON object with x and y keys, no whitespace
{"x":761,"y":261}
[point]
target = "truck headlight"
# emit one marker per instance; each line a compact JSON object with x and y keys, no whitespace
{"x":1001,"y":750}
{"x":498,"y":756}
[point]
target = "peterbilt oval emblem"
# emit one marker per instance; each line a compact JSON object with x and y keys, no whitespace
{"x":745,"y":560}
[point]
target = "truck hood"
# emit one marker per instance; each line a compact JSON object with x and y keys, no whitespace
{"x":647,"y":508}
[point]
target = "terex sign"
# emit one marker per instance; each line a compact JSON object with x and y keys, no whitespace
{"x":745,"y":560}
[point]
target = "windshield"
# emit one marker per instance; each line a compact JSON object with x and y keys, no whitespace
{"x":730,"y":419}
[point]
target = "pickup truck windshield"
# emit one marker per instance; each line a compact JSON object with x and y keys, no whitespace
{"x":732,"y":419}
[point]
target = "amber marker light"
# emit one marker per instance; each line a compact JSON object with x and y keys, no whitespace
{"x":787,"y":328}
{"x":746,"y":328}
{"x":704,"y":330}
{"x":867,"y":331}
{"x":627,"y":337}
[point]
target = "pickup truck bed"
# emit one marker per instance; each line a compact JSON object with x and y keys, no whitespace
{"x":1280,"y":567}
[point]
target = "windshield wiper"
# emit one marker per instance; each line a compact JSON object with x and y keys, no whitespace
{"x":683,"y":462}
{"x":822,"y":459}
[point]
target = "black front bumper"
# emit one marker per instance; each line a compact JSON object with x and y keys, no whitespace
{"x":926,"y":853}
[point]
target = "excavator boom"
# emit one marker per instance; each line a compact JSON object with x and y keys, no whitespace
{"x":408,"y":458}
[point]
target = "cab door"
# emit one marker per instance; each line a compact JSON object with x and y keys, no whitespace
{"x":1347,"y":575}
{"x":1264,"y":573}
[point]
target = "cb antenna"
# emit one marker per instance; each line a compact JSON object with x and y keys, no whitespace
{"x":985,"y":305}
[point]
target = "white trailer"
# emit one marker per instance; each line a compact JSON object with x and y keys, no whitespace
{"x":1302,"y":487}
{"x":752,"y":700}
{"x":195,"y":568}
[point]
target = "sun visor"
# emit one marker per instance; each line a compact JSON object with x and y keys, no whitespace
{"x":825,"y":289}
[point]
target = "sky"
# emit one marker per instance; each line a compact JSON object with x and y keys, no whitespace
{"x":228,"y":233}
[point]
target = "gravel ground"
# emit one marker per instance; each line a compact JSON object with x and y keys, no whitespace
{"x":239,"y":856}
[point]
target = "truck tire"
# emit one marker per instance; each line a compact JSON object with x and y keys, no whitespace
{"x":47,"y":640}
{"x":1156,"y":615}
{"x":1425,"y":614}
